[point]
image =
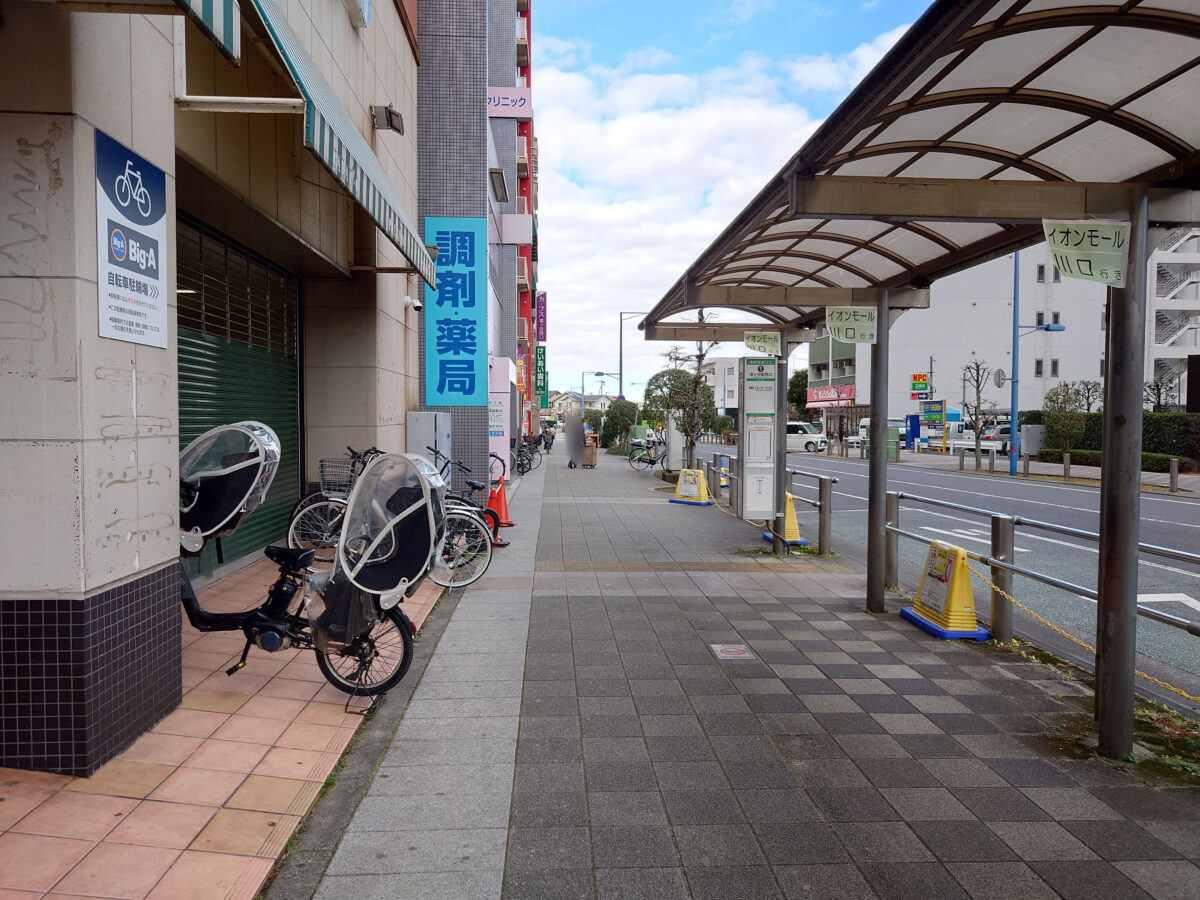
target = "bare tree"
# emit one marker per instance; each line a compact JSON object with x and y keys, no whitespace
{"x":1090,"y":393}
{"x":1159,"y":393}
{"x":976,"y":374}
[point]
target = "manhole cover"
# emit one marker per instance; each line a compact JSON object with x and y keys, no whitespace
{"x":732,"y":651}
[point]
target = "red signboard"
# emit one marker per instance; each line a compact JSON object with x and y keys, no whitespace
{"x":832,"y":392}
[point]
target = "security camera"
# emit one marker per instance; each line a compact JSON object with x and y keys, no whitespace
{"x":415,"y":302}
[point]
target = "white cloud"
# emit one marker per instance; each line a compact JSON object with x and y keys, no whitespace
{"x":739,"y":12}
{"x":641,"y":168}
{"x":843,"y":72}
{"x":639,"y":172}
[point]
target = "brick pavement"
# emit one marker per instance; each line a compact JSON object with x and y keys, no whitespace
{"x":574,"y":736}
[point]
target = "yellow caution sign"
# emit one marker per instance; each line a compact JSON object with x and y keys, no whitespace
{"x":945,"y":604}
{"x":791,"y":527}
{"x":692,"y":488}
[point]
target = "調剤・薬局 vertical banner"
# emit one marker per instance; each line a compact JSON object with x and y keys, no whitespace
{"x":456,"y":370}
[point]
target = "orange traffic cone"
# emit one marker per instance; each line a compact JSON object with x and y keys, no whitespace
{"x":498,"y":503}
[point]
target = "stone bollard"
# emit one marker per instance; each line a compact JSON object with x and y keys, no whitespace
{"x":1067,"y":465}
{"x":1174,"y":475}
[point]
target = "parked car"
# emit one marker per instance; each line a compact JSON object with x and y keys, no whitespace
{"x":805,"y":436}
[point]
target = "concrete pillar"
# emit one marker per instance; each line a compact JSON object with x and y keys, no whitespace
{"x":89,"y":600}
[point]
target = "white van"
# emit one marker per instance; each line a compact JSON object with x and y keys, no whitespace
{"x":864,"y":428}
{"x":804,"y":436}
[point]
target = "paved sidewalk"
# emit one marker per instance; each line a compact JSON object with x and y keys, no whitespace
{"x":574,"y":736}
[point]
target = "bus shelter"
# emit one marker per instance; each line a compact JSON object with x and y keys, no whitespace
{"x":985,"y":124}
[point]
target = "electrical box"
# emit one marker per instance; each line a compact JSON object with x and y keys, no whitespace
{"x":756,"y":460}
{"x":428,"y":429}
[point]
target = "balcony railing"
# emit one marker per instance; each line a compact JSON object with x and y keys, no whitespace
{"x":522,"y":41}
{"x":522,"y":156}
{"x":522,"y":273}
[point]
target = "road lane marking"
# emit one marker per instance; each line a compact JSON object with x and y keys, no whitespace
{"x":967,"y":535}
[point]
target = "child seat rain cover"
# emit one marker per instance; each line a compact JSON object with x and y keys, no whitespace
{"x":230,"y":468}
{"x":394,"y":524}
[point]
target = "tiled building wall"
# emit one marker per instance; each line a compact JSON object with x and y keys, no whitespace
{"x":453,"y":170}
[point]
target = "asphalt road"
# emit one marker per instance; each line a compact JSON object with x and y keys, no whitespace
{"x":1168,"y":521}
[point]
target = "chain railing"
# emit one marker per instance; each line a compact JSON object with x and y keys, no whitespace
{"x":1001,"y":560}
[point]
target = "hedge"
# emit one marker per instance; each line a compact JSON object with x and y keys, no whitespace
{"x":1151,"y":462}
{"x":1172,"y":434}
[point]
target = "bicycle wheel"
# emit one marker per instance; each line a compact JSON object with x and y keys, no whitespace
{"x":535,"y":457}
{"x":466,"y":553}
{"x":641,"y":460}
{"x":496,"y":468}
{"x":305,"y":502}
{"x":522,"y":464}
{"x":318,"y":526}
{"x":373,"y":661}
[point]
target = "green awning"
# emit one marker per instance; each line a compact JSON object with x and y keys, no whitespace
{"x":337,"y":143}
{"x":221,"y":21}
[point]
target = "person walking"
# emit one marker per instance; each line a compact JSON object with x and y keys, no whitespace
{"x":575,"y":444}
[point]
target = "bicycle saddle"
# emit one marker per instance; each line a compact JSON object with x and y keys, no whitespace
{"x":475,"y":485}
{"x":294,"y":560}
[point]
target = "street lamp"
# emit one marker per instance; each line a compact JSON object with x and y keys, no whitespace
{"x":583,"y":393}
{"x":1014,"y":430}
{"x":621,"y":352}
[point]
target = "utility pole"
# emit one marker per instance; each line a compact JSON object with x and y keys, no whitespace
{"x":931,"y":390}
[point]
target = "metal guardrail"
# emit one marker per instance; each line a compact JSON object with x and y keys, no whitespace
{"x":1001,"y":559}
{"x":823,"y":505}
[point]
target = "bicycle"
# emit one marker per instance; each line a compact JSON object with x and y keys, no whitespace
{"x":497,"y":468}
{"x":316,"y":520}
{"x":457,"y":498}
{"x":649,"y":455}
{"x":349,"y":616}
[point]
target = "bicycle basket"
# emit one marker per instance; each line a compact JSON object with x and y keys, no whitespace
{"x":336,"y":474}
{"x":338,"y":611}
{"x":394,"y":523}
{"x":228,"y":471}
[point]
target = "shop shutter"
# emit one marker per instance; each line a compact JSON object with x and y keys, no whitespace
{"x":238,"y":359}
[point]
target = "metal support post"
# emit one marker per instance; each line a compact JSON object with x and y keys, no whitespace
{"x":877,"y":483}
{"x":824,"y":515}
{"x":778,"y":545}
{"x":1067,"y":464}
{"x":992,"y":462}
{"x":891,"y":573}
{"x":962,"y":459}
{"x":1174,"y":475}
{"x":1120,"y":498}
{"x":1003,"y":550}
{"x":1025,"y":465}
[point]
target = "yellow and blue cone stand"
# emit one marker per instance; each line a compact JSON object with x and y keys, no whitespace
{"x":791,"y":527}
{"x":692,"y":488}
{"x":945,"y":604}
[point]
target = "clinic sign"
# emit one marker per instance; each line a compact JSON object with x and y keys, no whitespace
{"x":456,"y":364}
{"x":539,"y":370}
{"x":1091,"y":250}
{"x":131,"y":246}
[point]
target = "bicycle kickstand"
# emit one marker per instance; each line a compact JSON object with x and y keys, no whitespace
{"x":241,"y":663}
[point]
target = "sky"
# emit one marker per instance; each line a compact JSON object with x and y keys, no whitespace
{"x":657,"y":121}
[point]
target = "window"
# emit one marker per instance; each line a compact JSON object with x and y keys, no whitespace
{"x":1057,"y":277}
{"x":1037,"y":368}
{"x":1054,"y":368}
{"x":729,"y":371}
{"x":1054,"y":317}
{"x":1041,"y":270}
{"x":1041,"y":318}
{"x":729,"y":395}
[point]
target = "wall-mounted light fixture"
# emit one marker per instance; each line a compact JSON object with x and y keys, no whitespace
{"x":387,"y":118}
{"x":499,"y":185}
